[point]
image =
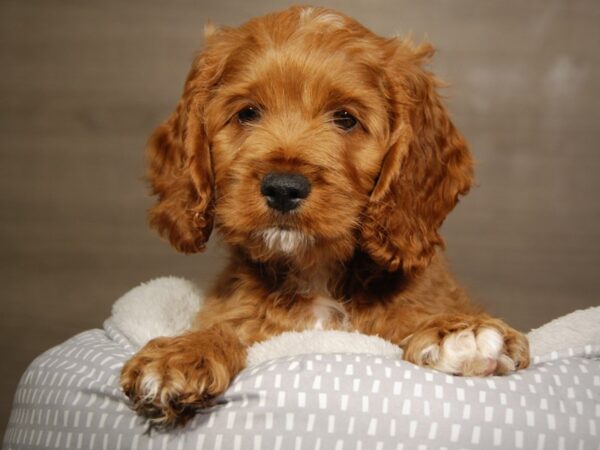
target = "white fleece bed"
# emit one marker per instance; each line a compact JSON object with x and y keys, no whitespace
{"x":314,"y":390}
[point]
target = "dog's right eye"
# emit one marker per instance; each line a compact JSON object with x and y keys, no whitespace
{"x":248,"y":115}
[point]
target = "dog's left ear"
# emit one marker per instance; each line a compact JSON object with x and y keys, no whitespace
{"x":426,"y":168}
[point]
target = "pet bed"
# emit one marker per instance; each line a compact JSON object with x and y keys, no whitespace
{"x":313,"y":390}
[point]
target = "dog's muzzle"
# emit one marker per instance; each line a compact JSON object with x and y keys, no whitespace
{"x":284,"y":191}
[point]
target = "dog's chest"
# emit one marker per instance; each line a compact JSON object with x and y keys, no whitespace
{"x":329,"y":314}
{"x":324,"y":311}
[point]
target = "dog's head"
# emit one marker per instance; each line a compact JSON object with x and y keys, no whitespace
{"x":303,"y":135}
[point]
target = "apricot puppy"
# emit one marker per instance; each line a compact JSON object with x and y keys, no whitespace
{"x":323,"y":156}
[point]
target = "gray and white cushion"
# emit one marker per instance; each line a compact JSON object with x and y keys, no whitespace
{"x":69,"y":398}
{"x":314,"y":390}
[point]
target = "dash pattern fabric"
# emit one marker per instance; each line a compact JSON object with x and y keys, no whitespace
{"x":69,"y":399}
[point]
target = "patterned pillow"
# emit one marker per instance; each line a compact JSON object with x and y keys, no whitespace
{"x":69,"y":398}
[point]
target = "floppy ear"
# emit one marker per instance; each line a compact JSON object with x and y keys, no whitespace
{"x":427,"y":167}
{"x":180,"y":172}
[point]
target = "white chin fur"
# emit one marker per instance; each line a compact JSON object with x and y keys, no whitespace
{"x":285,"y":241}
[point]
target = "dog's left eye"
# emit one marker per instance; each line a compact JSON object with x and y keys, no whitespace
{"x":248,"y":115}
{"x":344,"y":120}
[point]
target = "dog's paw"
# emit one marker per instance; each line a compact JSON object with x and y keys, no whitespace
{"x":469,"y":346}
{"x":170,"y":378}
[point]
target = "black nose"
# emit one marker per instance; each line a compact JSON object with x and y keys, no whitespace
{"x":284,"y":191}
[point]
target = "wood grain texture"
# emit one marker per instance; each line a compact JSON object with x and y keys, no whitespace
{"x":84,"y":83}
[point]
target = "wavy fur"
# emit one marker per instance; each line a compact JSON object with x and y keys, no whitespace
{"x":361,"y":252}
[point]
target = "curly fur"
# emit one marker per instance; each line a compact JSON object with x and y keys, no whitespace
{"x":362,"y":252}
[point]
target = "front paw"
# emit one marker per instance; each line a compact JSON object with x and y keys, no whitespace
{"x":467,"y":345}
{"x":170,"y":378}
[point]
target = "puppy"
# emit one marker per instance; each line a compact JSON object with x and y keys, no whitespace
{"x":323,"y":156}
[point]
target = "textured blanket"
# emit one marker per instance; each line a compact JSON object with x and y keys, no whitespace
{"x":313,"y":390}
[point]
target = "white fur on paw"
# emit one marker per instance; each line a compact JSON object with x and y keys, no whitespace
{"x":152,"y":389}
{"x":150,"y":386}
{"x":469,"y":353}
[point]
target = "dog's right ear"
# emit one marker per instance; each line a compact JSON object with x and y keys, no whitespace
{"x":179,"y":170}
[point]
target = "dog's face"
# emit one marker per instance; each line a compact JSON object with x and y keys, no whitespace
{"x":304,"y":136}
{"x":298,"y":131}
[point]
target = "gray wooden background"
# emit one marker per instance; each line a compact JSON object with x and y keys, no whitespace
{"x":83,"y":83}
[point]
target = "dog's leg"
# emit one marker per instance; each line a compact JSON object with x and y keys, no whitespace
{"x":471,"y":345}
{"x":171,"y":377}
